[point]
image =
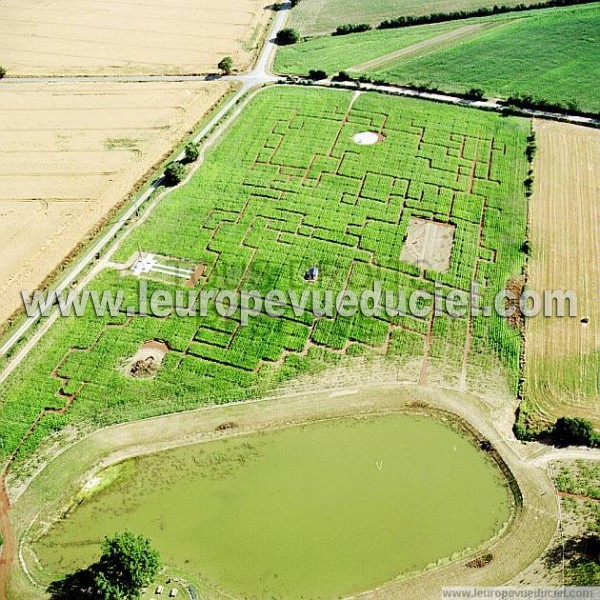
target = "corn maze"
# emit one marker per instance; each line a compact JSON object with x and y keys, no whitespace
{"x":286,"y":189}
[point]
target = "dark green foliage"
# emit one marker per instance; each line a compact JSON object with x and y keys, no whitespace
{"x":475,"y":94}
{"x":342,"y":76}
{"x":2,"y":72}
{"x":317,"y":74}
{"x":226,"y":65}
{"x":174,"y":173}
{"x":533,"y":103}
{"x":350,"y":28}
{"x":287,"y":36}
{"x":128,"y":563}
{"x":575,"y":431}
{"x":468,"y":14}
{"x":192,"y":152}
{"x":581,"y":559}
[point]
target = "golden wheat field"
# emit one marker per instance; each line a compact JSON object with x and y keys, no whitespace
{"x":563,"y":354}
{"x":70,"y":153}
{"x":79,"y":37}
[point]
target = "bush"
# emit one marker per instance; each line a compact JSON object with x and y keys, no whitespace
{"x":2,"y":72}
{"x":475,"y":94}
{"x":342,"y":76}
{"x":287,"y":37}
{"x":192,"y":152}
{"x":317,"y":74}
{"x":350,"y":28}
{"x":575,"y":431}
{"x":294,"y":3}
{"x":174,"y":173}
{"x":226,"y":65}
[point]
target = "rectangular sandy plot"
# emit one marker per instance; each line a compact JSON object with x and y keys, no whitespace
{"x":428,"y":244}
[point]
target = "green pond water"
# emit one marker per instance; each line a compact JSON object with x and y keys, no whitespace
{"x":316,"y":511}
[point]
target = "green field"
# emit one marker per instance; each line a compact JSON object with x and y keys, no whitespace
{"x":338,"y":53}
{"x":287,"y":188}
{"x":317,"y":511}
{"x":517,"y":56}
{"x":520,"y":58}
{"x":312,"y":17}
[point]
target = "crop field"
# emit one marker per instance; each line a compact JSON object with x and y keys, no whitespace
{"x":343,"y":52}
{"x":300,"y":192}
{"x":562,"y":367}
{"x":281,"y":489}
{"x":507,"y":54}
{"x":70,"y":153}
{"x":315,"y":17}
{"x":518,"y":58}
{"x":76,"y":37}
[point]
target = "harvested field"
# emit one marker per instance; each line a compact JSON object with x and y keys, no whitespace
{"x":563,"y":355}
{"x":69,"y":154}
{"x":75,"y":37}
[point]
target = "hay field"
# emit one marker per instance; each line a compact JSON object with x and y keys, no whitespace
{"x":563,"y":355}
{"x":70,"y":153}
{"x":76,"y":37}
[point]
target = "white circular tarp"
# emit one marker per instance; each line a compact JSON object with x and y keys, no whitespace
{"x":366,"y":138}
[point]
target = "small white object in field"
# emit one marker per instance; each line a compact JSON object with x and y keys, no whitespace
{"x":366,"y":138}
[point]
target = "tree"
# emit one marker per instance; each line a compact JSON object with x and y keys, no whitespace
{"x":317,"y":74}
{"x":475,"y":94}
{"x":174,"y":173}
{"x":2,"y":72}
{"x":287,"y":37}
{"x":192,"y":152}
{"x":226,"y":65}
{"x":294,"y":3}
{"x":575,"y":431}
{"x":128,"y":563}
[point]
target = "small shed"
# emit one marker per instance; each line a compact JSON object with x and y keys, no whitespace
{"x":173,"y":593}
{"x":159,"y":589}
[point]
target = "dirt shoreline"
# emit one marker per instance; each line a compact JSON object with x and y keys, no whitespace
{"x":526,"y":537}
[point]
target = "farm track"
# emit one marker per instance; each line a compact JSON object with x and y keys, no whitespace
{"x":431,"y":43}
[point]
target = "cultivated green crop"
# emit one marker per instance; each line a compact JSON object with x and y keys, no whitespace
{"x":522,"y":57}
{"x":286,"y":189}
{"x":515,"y":53}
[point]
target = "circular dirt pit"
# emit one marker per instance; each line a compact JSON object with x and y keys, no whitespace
{"x":367,"y":138}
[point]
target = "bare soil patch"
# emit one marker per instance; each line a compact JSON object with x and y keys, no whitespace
{"x":428,"y":244}
{"x":146,"y":362}
{"x":70,"y":153}
{"x":76,"y":37}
